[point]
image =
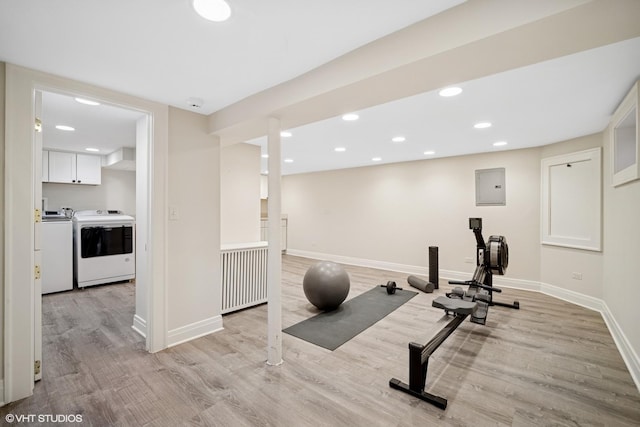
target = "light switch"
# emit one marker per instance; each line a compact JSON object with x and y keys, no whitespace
{"x":173,"y":213}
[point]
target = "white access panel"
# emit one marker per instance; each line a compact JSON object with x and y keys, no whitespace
{"x":490,"y":187}
{"x":57,"y":256}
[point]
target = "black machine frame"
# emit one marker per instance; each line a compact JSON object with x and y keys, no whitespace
{"x":492,"y":258}
{"x":419,"y":363}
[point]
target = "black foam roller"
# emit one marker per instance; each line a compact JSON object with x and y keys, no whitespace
{"x":433,"y":266}
{"x":418,"y":283}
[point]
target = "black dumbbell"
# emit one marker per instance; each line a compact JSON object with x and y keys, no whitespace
{"x":391,"y":287}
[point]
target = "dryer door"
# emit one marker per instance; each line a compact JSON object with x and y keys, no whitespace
{"x":108,"y":240}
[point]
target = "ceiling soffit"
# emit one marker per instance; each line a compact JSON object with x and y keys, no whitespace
{"x":473,"y":40}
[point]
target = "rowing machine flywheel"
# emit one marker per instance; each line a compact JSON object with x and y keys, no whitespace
{"x":498,"y":254}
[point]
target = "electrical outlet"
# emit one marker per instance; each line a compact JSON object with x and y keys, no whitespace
{"x":468,"y":260}
{"x":576,"y":276}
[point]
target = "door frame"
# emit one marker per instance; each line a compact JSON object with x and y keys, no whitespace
{"x":21,"y":85}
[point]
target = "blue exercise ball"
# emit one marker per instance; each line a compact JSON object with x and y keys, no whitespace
{"x":326,"y":285}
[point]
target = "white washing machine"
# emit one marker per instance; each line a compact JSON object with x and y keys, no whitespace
{"x":57,"y":253}
{"x":104,"y":247}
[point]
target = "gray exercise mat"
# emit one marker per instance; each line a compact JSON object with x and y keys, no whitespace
{"x":333,"y":328}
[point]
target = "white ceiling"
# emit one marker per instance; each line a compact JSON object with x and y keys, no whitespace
{"x":532,"y":106}
{"x":160,"y":50}
{"x":103,"y":127}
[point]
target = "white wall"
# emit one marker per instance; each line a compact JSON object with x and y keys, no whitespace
{"x":117,"y":191}
{"x":557,"y":264}
{"x":392,"y":213}
{"x":240,"y":193}
{"x":194,"y":237}
{"x":621,"y":263}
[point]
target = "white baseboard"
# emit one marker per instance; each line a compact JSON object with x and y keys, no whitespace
{"x":525,"y":285}
{"x":628,"y":353}
{"x":194,"y":330}
{"x":412,"y":269}
{"x":139,"y":325}
{"x":361,"y":262}
{"x":573,"y":297}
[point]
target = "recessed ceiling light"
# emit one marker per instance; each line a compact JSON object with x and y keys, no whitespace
{"x":265,"y":156}
{"x":376,"y":159}
{"x":482,"y":125}
{"x":65,"y":127}
{"x":429,"y":153}
{"x":340,"y":149}
{"x":87,"y":101}
{"x":212,"y":10}
{"x":288,"y":160}
{"x":450,"y":91}
{"x":499,"y":143}
{"x":398,"y":139}
{"x":94,"y":150}
{"x":285,"y":134}
{"x":349,"y":117}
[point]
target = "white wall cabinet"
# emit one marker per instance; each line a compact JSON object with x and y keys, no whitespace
{"x":62,"y":167}
{"x":73,"y":168}
{"x":88,"y":169}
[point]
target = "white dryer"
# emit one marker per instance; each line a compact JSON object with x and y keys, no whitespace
{"x":104,"y":247}
{"x":57,"y":250}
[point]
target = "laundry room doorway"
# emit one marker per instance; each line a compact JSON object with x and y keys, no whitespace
{"x":92,"y":158}
{"x":23,"y":163}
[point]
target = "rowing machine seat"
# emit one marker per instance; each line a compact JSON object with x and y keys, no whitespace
{"x":455,"y":305}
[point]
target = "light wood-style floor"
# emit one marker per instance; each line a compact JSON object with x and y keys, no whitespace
{"x":549,"y":363}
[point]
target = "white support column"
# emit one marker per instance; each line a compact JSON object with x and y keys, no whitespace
{"x":274,"y":261}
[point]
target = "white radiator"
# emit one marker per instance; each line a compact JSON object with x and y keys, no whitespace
{"x":244,"y":275}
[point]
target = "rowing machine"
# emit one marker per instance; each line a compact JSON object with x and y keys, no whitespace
{"x":475,"y":302}
{"x":491,"y":258}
